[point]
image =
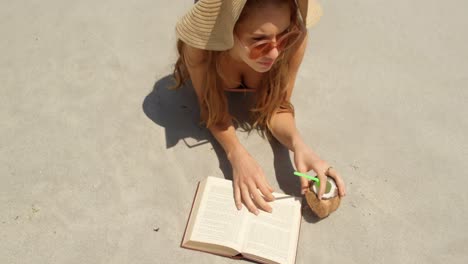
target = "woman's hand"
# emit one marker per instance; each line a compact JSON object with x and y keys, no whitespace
{"x":248,"y":179}
{"x":306,"y":160}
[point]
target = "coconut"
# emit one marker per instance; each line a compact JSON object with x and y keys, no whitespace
{"x":330,"y":199}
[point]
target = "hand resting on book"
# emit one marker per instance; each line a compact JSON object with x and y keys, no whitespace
{"x":248,"y":179}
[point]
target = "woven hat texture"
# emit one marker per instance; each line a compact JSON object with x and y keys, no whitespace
{"x":209,"y":24}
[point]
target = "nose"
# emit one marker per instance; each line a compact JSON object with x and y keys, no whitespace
{"x":273,"y":53}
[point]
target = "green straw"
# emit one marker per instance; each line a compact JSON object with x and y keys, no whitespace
{"x":315,"y":179}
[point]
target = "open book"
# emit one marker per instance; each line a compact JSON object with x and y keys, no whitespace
{"x":216,"y":226}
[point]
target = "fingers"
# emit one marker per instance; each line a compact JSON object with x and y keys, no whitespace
{"x":270,"y":188}
{"x":339,"y":181}
{"x":259,"y":199}
{"x":304,"y":182}
{"x":248,"y":200}
{"x":304,"y":185}
{"x":250,"y":194}
{"x":266,"y":191}
{"x":323,"y":185}
{"x":237,"y":197}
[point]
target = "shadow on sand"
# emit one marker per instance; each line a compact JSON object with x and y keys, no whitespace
{"x":178,"y":112}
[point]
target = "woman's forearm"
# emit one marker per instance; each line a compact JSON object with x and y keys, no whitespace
{"x":283,"y":128}
{"x":227,"y":138}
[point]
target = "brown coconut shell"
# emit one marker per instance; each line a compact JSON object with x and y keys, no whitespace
{"x":322,"y":208}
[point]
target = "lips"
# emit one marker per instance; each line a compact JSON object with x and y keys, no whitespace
{"x":268,"y":63}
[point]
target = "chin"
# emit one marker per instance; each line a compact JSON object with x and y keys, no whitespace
{"x":260,"y":68}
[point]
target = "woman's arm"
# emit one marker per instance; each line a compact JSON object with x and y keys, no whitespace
{"x":283,"y":128}
{"x":247,"y":174}
{"x":196,"y":62}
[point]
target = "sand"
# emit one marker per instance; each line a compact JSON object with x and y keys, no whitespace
{"x":99,"y":162}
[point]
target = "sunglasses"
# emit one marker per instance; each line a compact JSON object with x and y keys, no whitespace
{"x":263,"y":47}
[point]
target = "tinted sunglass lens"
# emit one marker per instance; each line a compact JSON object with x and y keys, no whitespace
{"x":259,"y":51}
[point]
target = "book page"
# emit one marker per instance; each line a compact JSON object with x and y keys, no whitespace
{"x":218,"y":221}
{"x":274,"y":236}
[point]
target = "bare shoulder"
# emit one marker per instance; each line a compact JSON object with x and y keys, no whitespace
{"x":196,"y":62}
{"x":195,"y":57}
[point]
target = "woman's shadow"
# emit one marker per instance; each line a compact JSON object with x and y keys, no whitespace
{"x":177,"y":111}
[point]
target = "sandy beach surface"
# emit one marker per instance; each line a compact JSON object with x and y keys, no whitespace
{"x":99,"y":162}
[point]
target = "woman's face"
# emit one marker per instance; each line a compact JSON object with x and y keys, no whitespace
{"x":267,"y":23}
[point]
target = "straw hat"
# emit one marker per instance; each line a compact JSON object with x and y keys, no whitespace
{"x":210,"y":24}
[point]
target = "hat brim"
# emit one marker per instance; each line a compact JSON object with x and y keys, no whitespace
{"x":209,"y":25}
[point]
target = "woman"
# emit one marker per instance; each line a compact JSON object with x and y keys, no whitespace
{"x":250,"y":46}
